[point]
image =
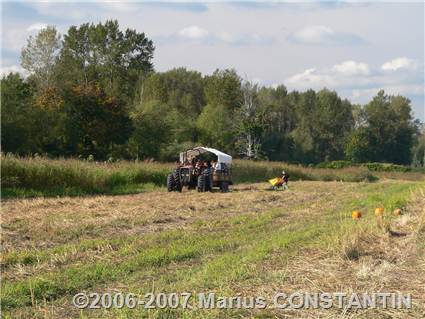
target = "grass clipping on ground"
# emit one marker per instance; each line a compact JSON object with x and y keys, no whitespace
{"x":386,"y":256}
{"x":250,"y":241}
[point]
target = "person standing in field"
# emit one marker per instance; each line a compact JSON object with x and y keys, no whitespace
{"x":285,"y":180}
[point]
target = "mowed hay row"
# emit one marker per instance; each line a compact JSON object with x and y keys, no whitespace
{"x":57,"y":220}
{"x":359,"y":256}
{"x":250,"y":241}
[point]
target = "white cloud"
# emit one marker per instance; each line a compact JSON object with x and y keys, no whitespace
{"x":365,"y":95}
{"x":398,"y":63}
{"x":64,"y":9}
{"x":360,"y":83}
{"x":310,"y":78}
{"x":119,"y":6}
{"x":357,"y":81}
{"x":226,"y":37}
{"x":193,"y":32}
{"x":13,"y":68}
{"x":314,"y":34}
{"x":346,"y":73}
{"x":14,"y":39}
{"x":235,"y":39}
{"x":352,"y":68}
{"x":320,"y":34}
{"x":36,"y":27}
{"x":258,"y":81}
{"x":243,"y":39}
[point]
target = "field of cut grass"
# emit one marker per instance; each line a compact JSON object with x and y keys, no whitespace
{"x":248,"y":242}
{"x":34,"y":177}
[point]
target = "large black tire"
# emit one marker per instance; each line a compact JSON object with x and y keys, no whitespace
{"x":170,"y":182}
{"x":177,"y":182}
{"x":201,"y":183}
{"x":224,"y":187}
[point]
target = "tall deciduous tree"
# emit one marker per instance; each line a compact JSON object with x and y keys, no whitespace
{"x":323,"y":124}
{"x":223,"y":87}
{"x":278,"y":118}
{"x":99,"y":122}
{"x":419,"y":148}
{"x":360,"y":146}
{"x":179,"y":93}
{"x":40,"y":54}
{"x":303,"y":134}
{"x":217,"y":127}
{"x":332,"y":123}
{"x":250,"y":124}
{"x":224,"y":98}
{"x":104,"y":54}
{"x":16,"y":115}
{"x":391,"y":125}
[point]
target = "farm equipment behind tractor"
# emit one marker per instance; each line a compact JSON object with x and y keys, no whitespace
{"x":202,"y":168}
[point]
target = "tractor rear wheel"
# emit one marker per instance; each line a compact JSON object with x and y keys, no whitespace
{"x":170,"y":182}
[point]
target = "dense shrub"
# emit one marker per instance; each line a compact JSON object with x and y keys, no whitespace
{"x":335,"y":164}
{"x":373,"y":167}
{"x":385,"y":167}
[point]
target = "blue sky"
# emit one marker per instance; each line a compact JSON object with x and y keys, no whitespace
{"x":352,"y":48}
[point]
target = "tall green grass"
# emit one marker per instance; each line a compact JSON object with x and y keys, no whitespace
{"x":259,"y":171}
{"x":373,"y":167}
{"x":39,"y":176}
{"x":31,"y":177}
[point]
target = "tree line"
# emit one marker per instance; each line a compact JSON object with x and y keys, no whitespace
{"x":94,"y":93}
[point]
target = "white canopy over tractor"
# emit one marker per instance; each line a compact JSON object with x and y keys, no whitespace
{"x":221,"y":157}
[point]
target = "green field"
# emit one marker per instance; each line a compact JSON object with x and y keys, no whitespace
{"x":249,"y":242}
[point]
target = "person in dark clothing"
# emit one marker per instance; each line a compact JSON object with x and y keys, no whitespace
{"x":285,"y":180}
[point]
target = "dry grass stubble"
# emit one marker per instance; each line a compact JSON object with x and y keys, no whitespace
{"x":386,"y":261}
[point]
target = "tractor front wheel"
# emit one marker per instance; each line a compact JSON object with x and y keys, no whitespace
{"x":224,"y":187}
{"x":177,"y":181}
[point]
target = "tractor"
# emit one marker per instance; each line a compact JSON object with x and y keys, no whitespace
{"x":201,"y":168}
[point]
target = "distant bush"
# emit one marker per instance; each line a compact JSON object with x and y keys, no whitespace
{"x":387,"y":167}
{"x":335,"y":164}
{"x":373,"y":167}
